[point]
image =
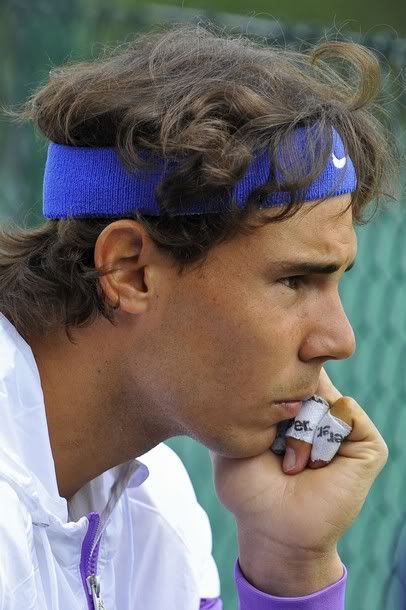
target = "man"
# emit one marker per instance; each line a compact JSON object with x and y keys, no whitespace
{"x":201,"y":193}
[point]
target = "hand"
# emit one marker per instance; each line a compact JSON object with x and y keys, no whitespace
{"x":289,"y":526}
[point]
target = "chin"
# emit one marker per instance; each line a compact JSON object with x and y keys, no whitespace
{"x":241,"y":446}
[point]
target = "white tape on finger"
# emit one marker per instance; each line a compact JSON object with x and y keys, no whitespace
{"x":315,"y":425}
{"x":304,"y":426}
{"x":330,"y":433}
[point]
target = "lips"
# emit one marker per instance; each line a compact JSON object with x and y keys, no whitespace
{"x":292,"y":406}
{"x":295,"y":399}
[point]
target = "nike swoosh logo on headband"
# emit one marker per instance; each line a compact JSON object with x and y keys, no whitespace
{"x":339,"y":163}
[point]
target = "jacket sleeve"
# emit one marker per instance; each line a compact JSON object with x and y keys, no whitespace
{"x":250,"y":598}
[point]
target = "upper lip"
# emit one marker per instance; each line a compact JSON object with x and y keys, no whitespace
{"x":297,"y":398}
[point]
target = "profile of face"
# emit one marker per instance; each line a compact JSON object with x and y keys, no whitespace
{"x":212,"y":352}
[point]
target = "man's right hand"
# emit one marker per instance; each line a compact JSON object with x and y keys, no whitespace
{"x":289,"y":525}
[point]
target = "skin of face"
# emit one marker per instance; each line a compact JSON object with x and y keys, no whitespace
{"x":208,"y":352}
{"x":224,"y":341}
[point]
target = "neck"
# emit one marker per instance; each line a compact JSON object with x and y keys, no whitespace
{"x":92,"y":422}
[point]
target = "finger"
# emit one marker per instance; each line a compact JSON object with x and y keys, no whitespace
{"x":341,"y":409}
{"x":363,"y":431}
{"x":296,"y":455}
{"x":327,"y":389}
{"x":364,"y":443}
{"x":329,"y":392}
{"x":359,"y":459}
{"x":331,"y":432}
{"x":300,"y":434}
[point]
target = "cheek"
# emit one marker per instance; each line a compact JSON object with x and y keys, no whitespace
{"x":215,"y":367}
{"x":230,"y":346}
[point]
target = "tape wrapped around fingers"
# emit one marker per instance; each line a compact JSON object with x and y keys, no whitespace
{"x":330,"y":433}
{"x":315,"y":425}
{"x":304,"y":425}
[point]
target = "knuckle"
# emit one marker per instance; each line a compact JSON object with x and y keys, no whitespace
{"x":378,"y":453}
{"x":384,"y":450}
{"x":350,"y":403}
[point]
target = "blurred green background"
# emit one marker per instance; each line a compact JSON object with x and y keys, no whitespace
{"x":361,"y":14}
{"x":37,"y":35}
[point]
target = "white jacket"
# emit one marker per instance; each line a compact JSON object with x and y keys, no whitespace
{"x":137,"y":543}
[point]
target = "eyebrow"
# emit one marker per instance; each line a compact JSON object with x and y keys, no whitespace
{"x":303,"y":268}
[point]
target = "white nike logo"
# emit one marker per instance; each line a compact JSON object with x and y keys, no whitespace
{"x":339,"y":163}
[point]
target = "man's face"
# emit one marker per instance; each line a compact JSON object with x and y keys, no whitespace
{"x":250,"y":328}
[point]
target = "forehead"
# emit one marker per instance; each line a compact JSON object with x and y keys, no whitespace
{"x":321,"y":234}
{"x":325,"y":229}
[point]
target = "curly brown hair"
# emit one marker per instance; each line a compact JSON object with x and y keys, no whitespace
{"x":210,"y":98}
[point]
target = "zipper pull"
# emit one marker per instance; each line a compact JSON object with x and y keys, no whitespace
{"x":93,"y":585}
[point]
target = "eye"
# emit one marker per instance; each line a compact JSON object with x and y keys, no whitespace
{"x":293,"y":282}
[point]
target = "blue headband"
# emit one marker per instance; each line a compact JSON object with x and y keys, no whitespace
{"x":85,"y":181}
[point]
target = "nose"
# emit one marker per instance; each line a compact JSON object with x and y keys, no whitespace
{"x":330,"y":335}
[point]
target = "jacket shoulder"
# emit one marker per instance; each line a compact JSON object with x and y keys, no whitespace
{"x":169,"y":493}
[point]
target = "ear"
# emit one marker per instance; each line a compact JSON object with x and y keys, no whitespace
{"x":126,"y":244}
